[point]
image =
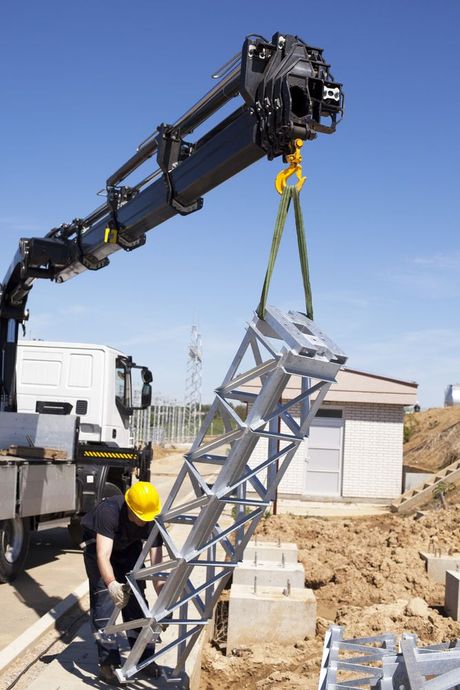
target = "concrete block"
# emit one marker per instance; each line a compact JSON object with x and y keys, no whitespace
{"x":412,"y":480}
{"x":452,"y":595}
{"x":269,"y":574}
{"x":269,"y":615}
{"x":271,"y":551}
{"x":437,"y":566}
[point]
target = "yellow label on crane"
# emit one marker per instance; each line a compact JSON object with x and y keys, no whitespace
{"x":110,"y":236}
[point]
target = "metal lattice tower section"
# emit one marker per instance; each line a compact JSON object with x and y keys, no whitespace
{"x":375,"y":663}
{"x":282,"y":346}
{"x":192,"y":411}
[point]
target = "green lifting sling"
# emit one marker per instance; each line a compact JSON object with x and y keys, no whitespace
{"x":290,"y":192}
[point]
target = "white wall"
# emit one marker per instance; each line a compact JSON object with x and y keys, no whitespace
{"x":373,"y":450}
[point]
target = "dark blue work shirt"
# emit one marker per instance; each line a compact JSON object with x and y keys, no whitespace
{"x":110,"y":518}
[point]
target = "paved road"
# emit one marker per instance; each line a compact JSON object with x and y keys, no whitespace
{"x":54,"y":568}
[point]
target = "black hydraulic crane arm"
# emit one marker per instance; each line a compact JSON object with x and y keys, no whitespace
{"x":287,"y":93}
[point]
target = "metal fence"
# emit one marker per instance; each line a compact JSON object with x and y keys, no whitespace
{"x":164,"y":422}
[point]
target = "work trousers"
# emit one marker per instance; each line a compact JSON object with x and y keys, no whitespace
{"x":102,"y":606}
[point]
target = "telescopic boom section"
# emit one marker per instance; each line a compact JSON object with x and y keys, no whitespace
{"x":287,"y":92}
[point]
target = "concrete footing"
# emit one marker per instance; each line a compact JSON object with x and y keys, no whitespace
{"x":269,"y":615}
{"x":270,"y":574}
{"x":452,"y":595}
{"x":268,"y":599}
{"x":437,"y":566}
{"x":270,"y":551}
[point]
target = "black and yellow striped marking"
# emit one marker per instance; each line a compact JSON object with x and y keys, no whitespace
{"x":109,"y":454}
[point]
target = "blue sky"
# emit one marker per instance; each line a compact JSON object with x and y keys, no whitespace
{"x":83,"y":83}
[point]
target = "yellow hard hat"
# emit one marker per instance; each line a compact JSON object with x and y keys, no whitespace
{"x":144,"y":501}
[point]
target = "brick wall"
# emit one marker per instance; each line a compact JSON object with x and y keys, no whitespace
{"x":373,"y":446}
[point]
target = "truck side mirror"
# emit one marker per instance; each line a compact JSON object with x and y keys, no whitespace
{"x":146,"y":375}
{"x":146,"y":395}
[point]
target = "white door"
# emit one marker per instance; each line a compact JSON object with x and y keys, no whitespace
{"x":323,"y":476}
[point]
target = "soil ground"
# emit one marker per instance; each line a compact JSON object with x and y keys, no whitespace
{"x":366,"y":573}
{"x":166,"y":451}
{"x":433,"y":438}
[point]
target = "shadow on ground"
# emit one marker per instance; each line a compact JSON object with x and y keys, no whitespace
{"x":45,"y":548}
{"x":79,"y":660}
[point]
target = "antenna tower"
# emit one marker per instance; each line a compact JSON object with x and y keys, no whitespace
{"x":192,"y":406}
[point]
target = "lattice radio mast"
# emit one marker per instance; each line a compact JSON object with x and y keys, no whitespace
{"x":192,"y":408}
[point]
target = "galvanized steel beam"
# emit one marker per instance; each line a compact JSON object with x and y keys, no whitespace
{"x":281,"y":345}
{"x":375,"y":662}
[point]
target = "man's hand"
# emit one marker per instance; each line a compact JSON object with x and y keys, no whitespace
{"x":119,"y":594}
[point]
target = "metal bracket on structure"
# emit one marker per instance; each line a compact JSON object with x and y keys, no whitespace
{"x":279,"y":347}
{"x":366,"y":662}
{"x":431,"y":668}
{"x":345,"y":663}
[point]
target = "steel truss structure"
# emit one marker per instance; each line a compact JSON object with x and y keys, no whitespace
{"x":375,"y":662}
{"x":282,"y":346}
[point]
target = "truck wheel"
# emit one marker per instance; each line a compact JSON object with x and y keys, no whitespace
{"x":14,"y":546}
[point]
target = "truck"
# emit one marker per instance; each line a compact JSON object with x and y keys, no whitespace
{"x":93,"y":381}
{"x":288,"y":96}
{"x":69,"y":445}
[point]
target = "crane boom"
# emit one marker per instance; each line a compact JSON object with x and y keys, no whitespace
{"x":287,"y":92}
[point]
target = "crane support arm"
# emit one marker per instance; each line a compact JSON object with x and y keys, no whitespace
{"x":286,"y":92}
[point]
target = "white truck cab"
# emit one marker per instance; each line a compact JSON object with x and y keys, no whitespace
{"x":67,"y":445}
{"x":91,"y":381}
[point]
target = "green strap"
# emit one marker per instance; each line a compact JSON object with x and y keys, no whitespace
{"x":290,"y":192}
{"x":303,"y":254}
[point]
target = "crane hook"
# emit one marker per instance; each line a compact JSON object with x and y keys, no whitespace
{"x":294,"y":168}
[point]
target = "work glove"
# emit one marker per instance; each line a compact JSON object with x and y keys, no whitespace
{"x":119,"y":593}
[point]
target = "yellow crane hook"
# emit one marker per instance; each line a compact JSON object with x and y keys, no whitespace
{"x":294,"y":168}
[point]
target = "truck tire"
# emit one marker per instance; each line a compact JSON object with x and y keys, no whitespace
{"x":14,"y":547}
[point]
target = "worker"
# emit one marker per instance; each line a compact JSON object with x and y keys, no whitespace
{"x":113,"y":534}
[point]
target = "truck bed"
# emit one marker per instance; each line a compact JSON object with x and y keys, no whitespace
{"x":34,"y":486}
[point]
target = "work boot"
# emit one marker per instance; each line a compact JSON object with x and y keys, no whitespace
{"x":107,"y":674}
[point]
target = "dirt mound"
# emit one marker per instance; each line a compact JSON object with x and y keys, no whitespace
{"x":432,"y":438}
{"x":165,"y":451}
{"x":367,"y":576}
{"x":367,"y":561}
